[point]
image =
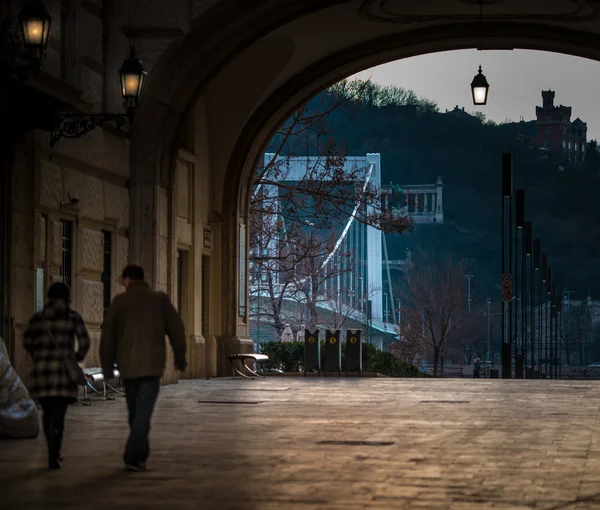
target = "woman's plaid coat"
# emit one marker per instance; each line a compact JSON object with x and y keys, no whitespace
{"x":49,"y":377}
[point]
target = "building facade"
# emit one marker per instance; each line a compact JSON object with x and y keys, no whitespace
{"x":554,"y":132}
{"x":203,"y":122}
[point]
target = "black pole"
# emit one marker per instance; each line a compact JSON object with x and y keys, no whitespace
{"x":542,"y":311}
{"x":557,"y":350}
{"x":553,"y":331}
{"x":527,"y":253}
{"x":506,"y":274}
{"x":534,"y":273}
{"x":561,"y":333}
{"x":548,"y":323}
{"x":519,"y":271}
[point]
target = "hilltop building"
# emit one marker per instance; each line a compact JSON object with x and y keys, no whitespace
{"x":553,"y":131}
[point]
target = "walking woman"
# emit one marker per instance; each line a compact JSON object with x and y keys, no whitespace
{"x":50,"y":340}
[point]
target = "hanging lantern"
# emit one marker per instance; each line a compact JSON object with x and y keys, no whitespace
{"x":479,"y":89}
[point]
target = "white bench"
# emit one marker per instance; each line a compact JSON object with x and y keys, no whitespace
{"x":242,"y":358}
{"x":94,"y":376}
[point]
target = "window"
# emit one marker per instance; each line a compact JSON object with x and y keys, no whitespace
{"x":549,"y":118}
{"x":549,"y":130}
{"x":107,"y":270}
{"x":564,"y":144}
{"x":548,"y":144}
{"x":67,"y":252}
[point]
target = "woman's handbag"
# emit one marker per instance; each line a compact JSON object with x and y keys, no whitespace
{"x":74,"y":371}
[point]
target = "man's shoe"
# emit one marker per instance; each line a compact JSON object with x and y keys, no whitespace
{"x":54,"y":464}
{"x":137,"y":468}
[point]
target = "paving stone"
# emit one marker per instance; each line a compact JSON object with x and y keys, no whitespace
{"x":504,"y":445}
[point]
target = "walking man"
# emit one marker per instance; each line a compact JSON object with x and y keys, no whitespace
{"x":133,"y":337}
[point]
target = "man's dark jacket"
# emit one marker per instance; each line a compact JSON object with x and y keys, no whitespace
{"x":133,"y":333}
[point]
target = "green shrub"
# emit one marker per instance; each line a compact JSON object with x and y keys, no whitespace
{"x":286,"y":356}
{"x":289,"y":357}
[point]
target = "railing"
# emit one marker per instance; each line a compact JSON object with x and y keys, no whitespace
{"x":447,"y":371}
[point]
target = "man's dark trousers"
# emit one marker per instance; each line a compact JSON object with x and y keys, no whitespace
{"x":141,"y":395}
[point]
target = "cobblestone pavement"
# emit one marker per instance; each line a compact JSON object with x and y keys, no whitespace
{"x":271,"y":444}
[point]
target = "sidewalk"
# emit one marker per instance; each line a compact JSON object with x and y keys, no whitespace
{"x":410,"y":443}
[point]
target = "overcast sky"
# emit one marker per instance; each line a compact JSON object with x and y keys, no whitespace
{"x":516,"y":80}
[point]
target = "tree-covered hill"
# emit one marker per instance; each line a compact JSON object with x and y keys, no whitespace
{"x":418,"y":143}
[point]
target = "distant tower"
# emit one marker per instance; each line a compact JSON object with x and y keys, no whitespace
{"x":548,"y":98}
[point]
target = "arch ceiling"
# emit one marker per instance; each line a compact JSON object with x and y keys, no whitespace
{"x":255,"y":62}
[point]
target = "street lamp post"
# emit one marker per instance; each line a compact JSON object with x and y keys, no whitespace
{"x":507,"y":291}
{"x":519,"y":273}
{"x":527,"y":253}
{"x":534,"y":274}
{"x":489,"y":303}
{"x":468,"y":277}
{"x":548,"y":325}
{"x":542,"y":311}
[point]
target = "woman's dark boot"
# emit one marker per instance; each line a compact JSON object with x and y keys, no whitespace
{"x":54,"y":463}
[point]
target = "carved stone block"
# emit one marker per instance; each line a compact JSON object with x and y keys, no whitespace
{"x":50,"y":184}
{"x":92,"y":253}
{"x":91,"y":193}
{"x":92,"y":86}
{"x":116,"y":204}
{"x":91,"y":293}
{"x":93,"y":357}
{"x":151,"y":13}
{"x":90,"y":34}
{"x":98,"y":148}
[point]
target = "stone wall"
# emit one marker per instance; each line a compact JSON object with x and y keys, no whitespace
{"x":88,"y":43}
{"x":98,"y":177}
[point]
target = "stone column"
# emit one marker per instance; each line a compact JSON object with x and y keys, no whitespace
{"x":232,"y":339}
{"x":151,"y":232}
{"x":23,"y":249}
{"x":439,"y":212}
{"x":425,"y":208}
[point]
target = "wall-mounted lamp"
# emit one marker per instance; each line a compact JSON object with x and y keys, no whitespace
{"x":132,"y":77}
{"x":34,"y":23}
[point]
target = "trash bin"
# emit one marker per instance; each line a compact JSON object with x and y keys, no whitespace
{"x":494,"y":374}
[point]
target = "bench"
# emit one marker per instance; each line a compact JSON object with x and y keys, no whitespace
{"x":95,"y":375}
{"x":242,"y":358}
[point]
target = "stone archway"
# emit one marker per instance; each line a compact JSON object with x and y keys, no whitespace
{"x":241,"y":75}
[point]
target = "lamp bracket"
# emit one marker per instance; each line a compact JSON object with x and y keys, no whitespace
{"x":77,"y":125}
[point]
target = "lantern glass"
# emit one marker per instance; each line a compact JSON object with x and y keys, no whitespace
{"x":35,"y":25}
{"x":480,"y":95}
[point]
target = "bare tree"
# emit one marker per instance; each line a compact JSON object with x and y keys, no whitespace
{"x":408,"y":347}
{"x":435,"y":296}
{"x":286,"y":257}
